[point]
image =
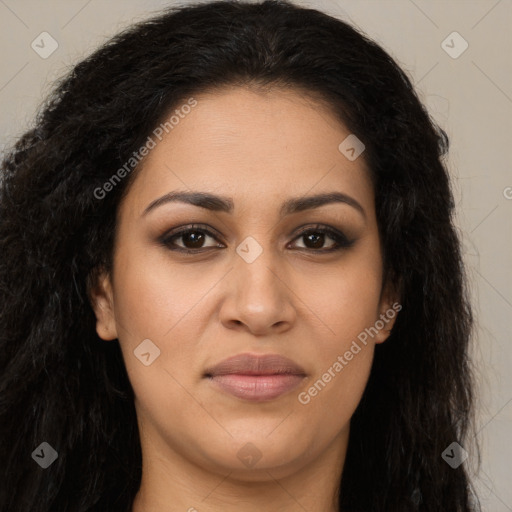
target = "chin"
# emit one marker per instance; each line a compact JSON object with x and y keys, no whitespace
{"x":255,"y":457}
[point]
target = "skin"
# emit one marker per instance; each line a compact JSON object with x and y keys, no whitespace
{"x":258,"y":148}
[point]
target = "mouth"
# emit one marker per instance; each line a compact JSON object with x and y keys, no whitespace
{"x":256,"y":378}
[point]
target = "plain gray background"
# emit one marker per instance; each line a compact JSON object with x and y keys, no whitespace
{"x":469,"y":94}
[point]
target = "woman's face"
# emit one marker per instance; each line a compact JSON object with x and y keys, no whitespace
{"x":252,"y":285}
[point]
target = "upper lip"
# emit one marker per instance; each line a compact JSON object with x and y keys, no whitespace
{"x":249,"y":364}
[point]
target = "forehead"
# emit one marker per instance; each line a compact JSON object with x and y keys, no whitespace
{"x":247,"y":144}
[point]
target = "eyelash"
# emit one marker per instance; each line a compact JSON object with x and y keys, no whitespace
{"x":341,"y":241}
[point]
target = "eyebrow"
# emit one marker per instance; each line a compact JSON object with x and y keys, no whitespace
{"x":225,"y":204}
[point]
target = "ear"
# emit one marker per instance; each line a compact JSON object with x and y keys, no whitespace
{"x":389,"y":306}
{"x":102,"y":302}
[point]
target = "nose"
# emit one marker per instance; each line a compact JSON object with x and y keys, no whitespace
{"x":259,"y":297}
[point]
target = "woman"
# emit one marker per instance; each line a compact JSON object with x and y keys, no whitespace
{"x":230,"y":278}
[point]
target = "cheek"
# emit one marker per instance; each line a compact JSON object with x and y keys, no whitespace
{"x":344,"y":355}
{"x":347,"y":297}
{"x":154,"y":297}
{"x":155,"y":303}
{"x":331,"y":397}
{"x":347,"y":302}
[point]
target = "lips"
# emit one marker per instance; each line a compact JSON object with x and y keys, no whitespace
{"x":256,"y":377}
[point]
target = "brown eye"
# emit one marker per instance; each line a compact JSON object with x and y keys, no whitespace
{"x":315,"y":238}
{"x":191,"y":239}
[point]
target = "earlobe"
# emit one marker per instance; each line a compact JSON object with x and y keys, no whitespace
{"x":386,"y":321}
{"x":388,"y":312}
{"x":102,"y":302}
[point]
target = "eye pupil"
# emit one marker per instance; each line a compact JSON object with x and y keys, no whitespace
{"x":317,"y":239}
{"x":195,"y":238}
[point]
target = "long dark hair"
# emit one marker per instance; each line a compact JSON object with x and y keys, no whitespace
{"x":61,"y":384}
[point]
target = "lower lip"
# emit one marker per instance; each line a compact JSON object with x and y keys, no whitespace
{"x":257,"y":388}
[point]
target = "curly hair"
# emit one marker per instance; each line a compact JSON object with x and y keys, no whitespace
{"x":62,"y":384}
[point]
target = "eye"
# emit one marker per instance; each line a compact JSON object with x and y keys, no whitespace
{"x":192,"y":239}
{"x":315,"y":237}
